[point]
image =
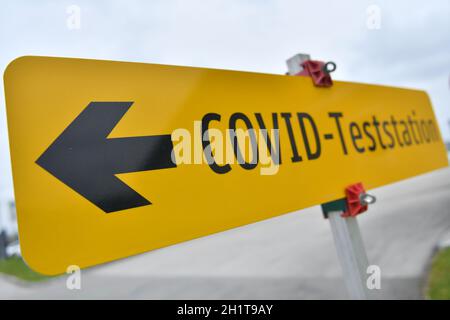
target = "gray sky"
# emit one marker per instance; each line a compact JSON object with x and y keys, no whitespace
{"x":410,"y":49}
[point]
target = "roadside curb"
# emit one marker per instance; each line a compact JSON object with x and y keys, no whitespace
{"x":444,"y":241}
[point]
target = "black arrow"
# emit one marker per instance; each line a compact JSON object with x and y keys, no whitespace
{"x":86,"y":160}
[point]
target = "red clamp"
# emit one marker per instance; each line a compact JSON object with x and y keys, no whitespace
{"x":318,"y":71}
{"x":357,"y":200}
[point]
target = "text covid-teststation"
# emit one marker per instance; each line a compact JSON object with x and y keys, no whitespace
{"x":363,"y":136}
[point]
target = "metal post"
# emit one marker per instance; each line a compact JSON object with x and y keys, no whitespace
{"x":3,"y":242}
{"x":351,"y":253}
{"x":295,"y":63}
{"x":347,"y":237}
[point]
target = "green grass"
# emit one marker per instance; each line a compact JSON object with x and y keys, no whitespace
{"x":16,"y":267}
{"x":439,"y":283}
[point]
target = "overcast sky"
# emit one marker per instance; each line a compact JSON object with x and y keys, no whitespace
{"x":408,"y":46}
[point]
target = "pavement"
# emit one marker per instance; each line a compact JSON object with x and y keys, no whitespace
{"x":287,"y":257}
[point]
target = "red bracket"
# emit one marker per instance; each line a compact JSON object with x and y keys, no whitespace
{"x":354,"y":203}
{"x":318,"y":72}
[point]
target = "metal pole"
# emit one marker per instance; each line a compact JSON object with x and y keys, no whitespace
{"x":347,"y":236}
{"x":351,"y":253}
{"x":295,"y":63}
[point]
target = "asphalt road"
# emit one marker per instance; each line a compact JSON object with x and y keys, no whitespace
{"x":288,"y":257}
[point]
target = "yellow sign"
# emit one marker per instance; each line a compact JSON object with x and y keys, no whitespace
{"x":111,"y":159}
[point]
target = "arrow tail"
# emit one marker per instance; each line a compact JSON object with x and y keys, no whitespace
{"x":139,"y":153}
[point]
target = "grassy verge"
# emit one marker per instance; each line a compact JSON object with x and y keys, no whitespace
{"x":439,"y":281}
{"x":16,"y":267}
